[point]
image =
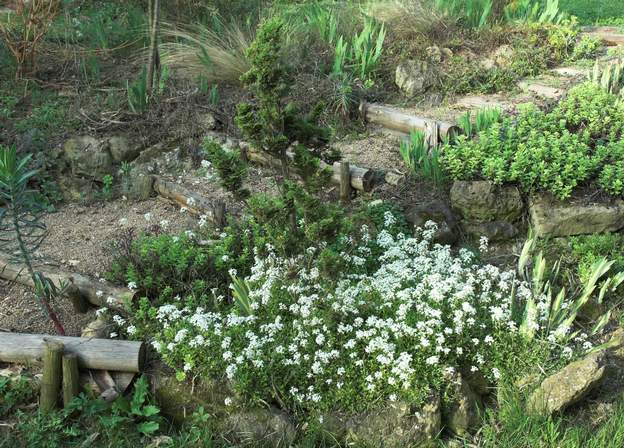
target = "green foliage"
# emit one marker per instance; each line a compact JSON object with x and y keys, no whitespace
{"x":136,"y":91}
{"x":588,"y":249}
{"x":471,"y":13}
{"x":421,"y":159}
{"x":14,"y":391}
{"x":231,"y":169}
{"x":534,"y":11}
{"x":575,"y":143}
{"x":609,"y":76}
{"x":107,"y":186}
{"x":484,"y":119}
{"x":587,"y":47}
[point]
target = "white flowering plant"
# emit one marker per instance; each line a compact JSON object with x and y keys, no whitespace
{"x":399,"y":316}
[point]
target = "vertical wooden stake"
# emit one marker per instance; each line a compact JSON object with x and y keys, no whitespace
{"x":219,"y":214}
{"x":153,"y":49}
{"x":51,"y":381}
{"x":71,"y":378}
{"x":345,"y":182}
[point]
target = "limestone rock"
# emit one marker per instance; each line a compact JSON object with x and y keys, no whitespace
{"x":438,"y":212}
{"x":483,"y":201}
{"x":503,"y":56}
{"x":139,"y":186}
{"x":616,"y":343}
{"x":414,"y":77}
{"x":263,"y":426}
{"x":570,"y":385}
{"x":88,"y":156}
{"x":552,"y":218}
{"x":493,"y":231}
{"x":99,"y":329}
{"x":396,"y":425}
{"x":122,"y":150}
{"x":462,"y":414}
{"x":207,"y":121}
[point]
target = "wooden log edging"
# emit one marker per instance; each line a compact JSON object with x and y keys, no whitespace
{"x":97,"y":354}
{"x":98,"y":293}
{"x":194,"y":203}
{"x":397,"y":120}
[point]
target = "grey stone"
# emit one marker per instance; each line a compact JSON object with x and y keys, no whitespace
{"x":462,"y":414}
{"x":493,"y":231}
{"x":484,"y":201}
{"x":98,"y":329}
{"x":438,"y":212}
{"x":266,"y":426}
{"x":122,"y":150}
{"x":139,"y":186}
{"x":570,"y":385}
{"x":88,"y":156}
{"x":552,"y":218}
{"x":396,"y":425}
{"x":434,"y":54}
{"x":207,"y":121}
{"x":414,"y":77}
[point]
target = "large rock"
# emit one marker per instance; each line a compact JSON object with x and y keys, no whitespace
{"x":394,"y":425}
{"x":138,"y":186}
{"x":259,"y":427}
{"x":552,"y":218}
{"x":414,"y":77}
{"x":462,"y":414}
{"x":483,"y":201}
{"x":493,"y":231}
{"x":88,"y":156}
{"x":440,"y":213}
{"x":569,"y":385}
{"x":122,"y":150}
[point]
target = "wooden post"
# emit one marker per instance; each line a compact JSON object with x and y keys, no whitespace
{"x":51,"y":381}
{"x":219,"y":214}
{"x":153,"y":50}
{"x":345,"y":181}
{"x":71,"y":378}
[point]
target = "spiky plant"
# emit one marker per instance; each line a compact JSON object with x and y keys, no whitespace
{"x":609,"y":76}
{"x":21,"y":229}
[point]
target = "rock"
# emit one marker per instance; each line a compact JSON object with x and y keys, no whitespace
{"x":207,"y":121}
{"x":414,"y":77}
{"x":493,"y":231}
{"x":434,"y":54}
{"x":98,"y":329}
{"x":462,"y":414}
{"x":139,"y":186}
{"x":178,"y":400}
{"x":396,"y":425}
{"x":122,"y":150}
{"x":570,"y":385}
{"x":263,"y":426}
{"x":438,"y":212}
{"x":503,"y":56}
{"x":88,"y":156}
{"x":477,"y":381}
{"x":447,"y":53}
{"x":616,"y":343}
{"x":487,"y":64}
{"x":552,"y":218}
{"x":483,"y":201}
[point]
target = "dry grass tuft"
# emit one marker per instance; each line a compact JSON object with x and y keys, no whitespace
{"x":200,"y":51}
{"x":406,"y":17}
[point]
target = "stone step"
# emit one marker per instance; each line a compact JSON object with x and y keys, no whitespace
{"x":610,"y":35}
{"x":542,"y":89}
{"x":571,"y":72}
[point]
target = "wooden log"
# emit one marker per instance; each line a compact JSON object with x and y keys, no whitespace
{"x":71,"y":378}
{"x":106,"y":384}
{"x":362,"y":179}
{"x":52,"y":373}
{"x":194,"y":203}
{"x":94,"y":291}
{"x":99,"y":354}
{"x":397,"y":120}
{"x":345,"y":182}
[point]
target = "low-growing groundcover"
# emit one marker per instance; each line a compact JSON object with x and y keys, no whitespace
{"x":579,"y":142}
{"x":399,"y":315}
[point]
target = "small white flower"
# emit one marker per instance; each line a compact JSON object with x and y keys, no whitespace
{"x":113,"y":335}
{"x":132,"y":285}
{"x":227,"y":401}
{"x":131,"y":329}
{"x":99,"y":293}
{"x":147,"y":217}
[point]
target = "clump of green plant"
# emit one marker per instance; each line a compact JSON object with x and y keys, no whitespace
{"x":557,"y":151}
{"x":15,"y":391}
{"x":421,"y":159}
{"x":609,"y":75}
{"x":22,"y":230}
{"x":484,"y":119}
{"x":587,"y":47}
{"x":588,"y":249}
{"x":107,"y":186}
{"x":232,"y":170}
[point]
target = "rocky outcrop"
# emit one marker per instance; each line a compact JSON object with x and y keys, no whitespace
{"x":488,"y":210}
{"x":552,"y":218}
{"x":438,"y":212}
{"x":461,"y":415}
{"x":570,"y":385}
{"x":414,"y":77}
{"x":122,"y":150}
{"x":88,"y":156}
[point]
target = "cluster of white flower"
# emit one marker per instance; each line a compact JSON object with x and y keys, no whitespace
{"x":387,"y":333}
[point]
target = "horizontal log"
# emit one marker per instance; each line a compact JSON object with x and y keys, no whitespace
{"x":397,"y":120}
{"x":194,"y":203}
{"x":362,"y":179}
{"x":99,"y":354}
{"x":98,"y":293}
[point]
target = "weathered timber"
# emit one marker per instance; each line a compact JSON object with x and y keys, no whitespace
{"x":362,"y":179}
{"x":397,"y":120}
{"x":71,"y":378}
{"x":96,"y":292}
{"x":99,"y":354}
{"x":106,"y":384}
{"x":194,"y":203}
{"x":52,"y":374}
